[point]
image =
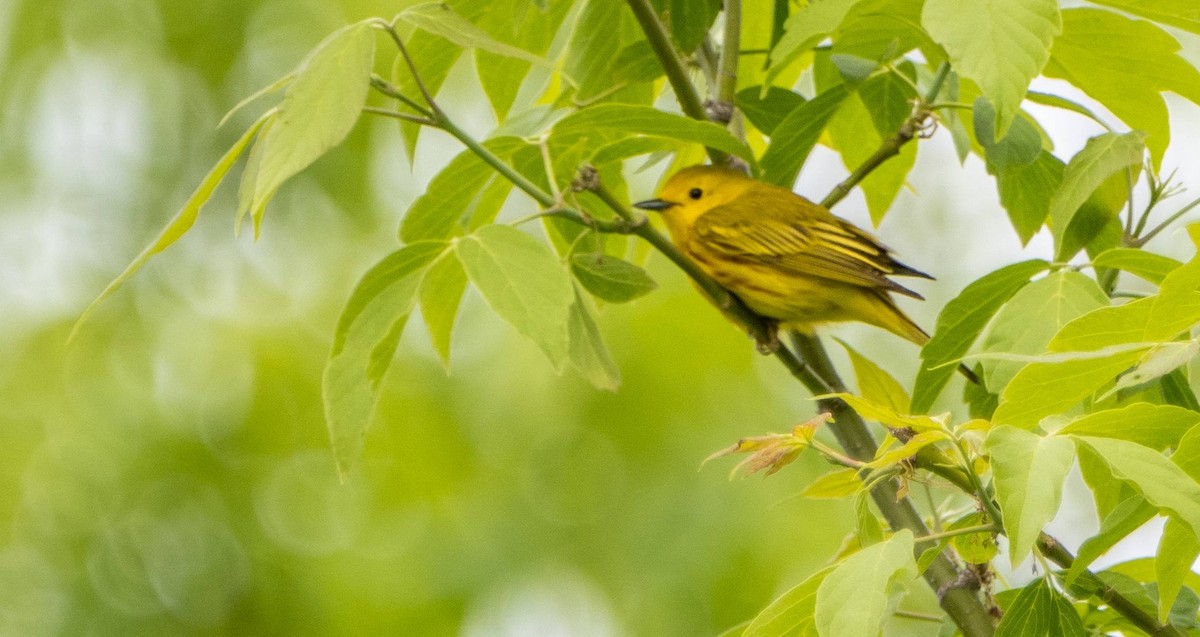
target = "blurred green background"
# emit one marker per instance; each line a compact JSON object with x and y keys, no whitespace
{"x":169,"y":473}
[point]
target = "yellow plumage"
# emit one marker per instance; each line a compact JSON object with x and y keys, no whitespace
{"x":785,"y":257}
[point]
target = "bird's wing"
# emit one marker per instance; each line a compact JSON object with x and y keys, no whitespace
{"x":804,"y":241}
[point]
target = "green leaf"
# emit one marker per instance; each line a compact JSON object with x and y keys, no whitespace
{"x":1040,"y":611}
{"x":448,"y":199}
{"x":1177,"y":390}
{"x":250,"y":175}
{"x":438,"y":18}
{"x":1096,"y":226}
{"x":610,"y":278}
{"x":1058,"y":101}
{"x":593,"y":47}
{"x":1156,"y":363}
{"x":319,"y":108}
{"x":961,"y":322}
{"x":586,"y":351}
{"x":1107,"y":492}
{"x":523,"y":283}
{"x":691,"y":20}
{"x":1187,"y":453}
{"x":886,"y":415}
{"x":441,"y":293}
{"x":1156,"y":426}
{"x":876,"y":385}
{"x":976,"y":548}
{"x":889,"y":98}
{"x":804,"y":29}
{"x":1137,"y":62}
{"x":1113,"y":338}
{"x":1026,"y":191}
{"x":834,"y":485}
{"x":867,"y":528}
{"x":1000,"y":44}
{"x":1147,"y":265}
{"x":1044,"y":389}
{"x":853,"y":600}
{"x":364,"y":343}
{"x":637,"y":62}
{"x":262,"y":92}
{"x":1029,"y":471}
{"x":853,"y":69}
{"x":1057,"y":299}
{"x":1102,"y":157}
{"x":180,"y":223}
{"x":1177,"y":551}
{"x":519,"y":23}
{"x":1184,"y":14}
{"x":1163,"y":483}
{"x":626,"y":119}
{"x":884,"y":30}
{"x":767,"y":110}
{"x":791,"y":613}
{"x":795,"y":137}
{"x":854,"y":135}
{"x":1020,"y":146}
{"x":1125,"y":518}
{"x":889,"y":456}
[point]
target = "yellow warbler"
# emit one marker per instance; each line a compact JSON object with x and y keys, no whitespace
{"x":787,"y":258}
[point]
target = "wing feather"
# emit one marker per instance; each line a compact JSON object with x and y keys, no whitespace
{"x":799,"y":237}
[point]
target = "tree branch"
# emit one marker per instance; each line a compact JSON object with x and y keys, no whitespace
{"x":685,"y":91}
{"x":891,"y":146}
{"x":1055,"y":552}
{"x":727,"y":70}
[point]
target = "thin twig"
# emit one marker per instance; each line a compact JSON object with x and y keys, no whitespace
{"x":1141,"y":241}
{"x":393,"y":91}
{"x":412,"y":68}
{"x":892,"y":145}
{"x":925,"y":617}
{"x":966,"y":530}
{"x":424,"y":121}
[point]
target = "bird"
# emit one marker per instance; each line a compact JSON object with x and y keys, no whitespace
{"x":786,"y":258}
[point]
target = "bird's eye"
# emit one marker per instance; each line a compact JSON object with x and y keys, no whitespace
{"x":695,"y":193}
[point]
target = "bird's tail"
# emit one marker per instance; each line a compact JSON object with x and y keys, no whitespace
{"x":894,"y":320}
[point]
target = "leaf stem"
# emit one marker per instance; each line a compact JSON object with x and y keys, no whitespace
{"x":985,"y":499}
{"x":520,"y":181}
{"x":390,"y":28}
{"x":393,"y":91}
{"x":1142,"y":240}
{"x":925,"y":617}
{"x":839,"y":458}
{"x":424,"y":121}
{"x":966,"y":530}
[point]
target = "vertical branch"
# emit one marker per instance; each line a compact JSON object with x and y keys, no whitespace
{"x":685,"y":91}
{"x":660,"y":41}
{"x":730,"y":52}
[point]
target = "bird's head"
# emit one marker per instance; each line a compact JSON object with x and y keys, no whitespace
{"x":695,"y":190}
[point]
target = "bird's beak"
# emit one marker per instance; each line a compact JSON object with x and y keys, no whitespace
{"x":654,"y":204}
